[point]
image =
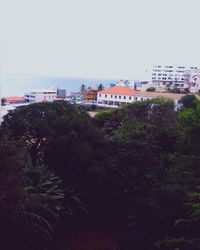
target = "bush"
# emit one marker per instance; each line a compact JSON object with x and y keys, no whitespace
{"x":151,"y":89}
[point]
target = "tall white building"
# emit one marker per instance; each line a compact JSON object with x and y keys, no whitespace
{"x":171,"y":77}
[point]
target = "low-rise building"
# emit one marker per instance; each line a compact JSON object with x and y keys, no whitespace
{"x":41,"y":95}
{"x":119,"y":95}
{"x":90,"y":94}
{"x":127,"y":83}
{"x":74,"y":97}
{"x":14,"y":99}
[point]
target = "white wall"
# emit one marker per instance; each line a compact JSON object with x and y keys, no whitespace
{"x":171,"y":73}
{"x":102,"y":98}
{"x":40,"y":97}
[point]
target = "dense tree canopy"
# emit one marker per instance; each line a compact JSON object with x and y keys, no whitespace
{"x":134,"y":169}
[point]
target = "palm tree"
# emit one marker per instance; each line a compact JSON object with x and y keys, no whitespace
{"x":34,"y":217}
{"x":83,"y":88}
{"x":100,"y":86}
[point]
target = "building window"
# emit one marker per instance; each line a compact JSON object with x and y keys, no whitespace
{"x":115,"y":97}
{"x":105,"y":96}
{"x":119,"y":96}
{"x":111,"y":96}
{"x":124,"y":97}
{"x":129,"y":97}
{"x":136,"y":98}
{"x":99,"y":95}
{"x":141,"y":99}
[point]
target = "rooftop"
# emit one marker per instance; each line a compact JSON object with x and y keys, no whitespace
{"x":119,"y":90}
{"x":53,"y":90}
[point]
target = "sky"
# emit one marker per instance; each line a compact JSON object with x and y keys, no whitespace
{"x":116,"y":39}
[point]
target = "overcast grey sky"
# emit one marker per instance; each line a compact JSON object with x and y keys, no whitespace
{"x":98,"y":38}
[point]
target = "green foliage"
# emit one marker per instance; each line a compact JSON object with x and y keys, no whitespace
{"x":189,"y":126}
{"x":176,"y":90}
{"x":3,"y":101}
{"x":135,"y":168}
{"x":151,"y":89}
{"x":83,"y":88}
{"x":189,"y":101}
{"x":100,"y":87}
{"x":30,"y":200}
{"x":102,"y":117}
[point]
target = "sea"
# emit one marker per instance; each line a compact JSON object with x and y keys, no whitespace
{"x":17,"y":85}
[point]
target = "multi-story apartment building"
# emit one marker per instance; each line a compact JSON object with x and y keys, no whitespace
{"x":172,"y":77}
{"x":41,"y":95}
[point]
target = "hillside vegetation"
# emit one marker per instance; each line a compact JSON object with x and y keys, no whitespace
{"x":135,"y":170}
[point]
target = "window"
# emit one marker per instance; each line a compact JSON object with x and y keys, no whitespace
{"x":115,"y":96}
{"x":99,"y":95}
{"x":111,"y":96}
{"x":119,"y":96}
{"x":124,"y":97}
{"x":141,"y":99}
{"x":129,"y":97}
{"x":136,"y":98}
{"x":105,"y":96}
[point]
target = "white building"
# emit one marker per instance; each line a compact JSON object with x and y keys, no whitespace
{"x":172,"y":77}
{"x":118,"y":95}
{"x":41,"y":95}
{"x":195,"y":85}
{"x":127,"y":83}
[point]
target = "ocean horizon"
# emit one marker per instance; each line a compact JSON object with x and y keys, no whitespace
{"x":18,"y":84}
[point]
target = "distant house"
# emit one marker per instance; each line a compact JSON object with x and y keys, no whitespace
{"x":14,"y":99}
{"x":74,"y":97}
{"x":119,"y":95}
{"x":90,"y":94}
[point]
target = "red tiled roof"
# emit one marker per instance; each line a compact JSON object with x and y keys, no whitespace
{"x":118,"y":90}
{"x":14,"y":98}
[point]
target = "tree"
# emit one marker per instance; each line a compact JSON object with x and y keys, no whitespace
{"x":3,"y":101}
{"x":151,"y":89}
{"x":100,"y":87}
{"x":83,"y":88}
{"x":60,"y":135}
{"x":102,"y":117}
{"x":189,"y":101}
{"x":30,"y":200}
{"x":140,"y":138}
{"x":189,"y":126}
